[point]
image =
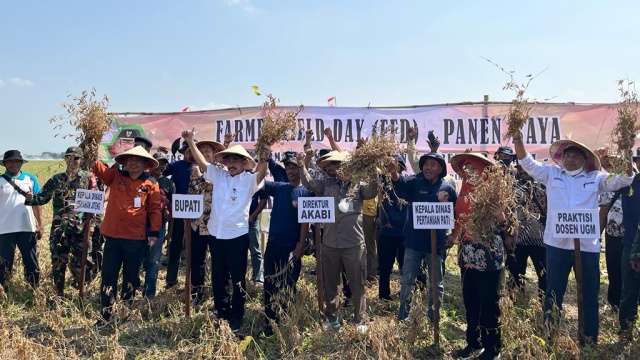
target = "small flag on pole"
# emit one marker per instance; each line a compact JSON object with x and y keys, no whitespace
{"x":185,"y":109}
{"x":332,"y":101}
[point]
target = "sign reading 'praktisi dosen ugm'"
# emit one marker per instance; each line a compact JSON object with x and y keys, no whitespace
{"x":433,"y":215}
{"x":187,"y":206}
{"x":316,"y":210}
{"x":89,"y":201}
{"x":571,"y":223}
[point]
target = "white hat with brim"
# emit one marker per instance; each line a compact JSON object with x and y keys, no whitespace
{"x":324,"y":157}
{"x":340,"y":156}
{"x":236,"y":150}
{"x":214,"y":144}
{"x":457,"y":161}
{"x":138,"y":151}
{"x":557,"y":149}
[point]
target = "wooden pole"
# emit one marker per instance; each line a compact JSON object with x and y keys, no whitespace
{"x":319,"y":278}
{"x":85,"y":250}
{"x":577,"y":268}
{"x":435,"y":269}
{"x":187,"y":281}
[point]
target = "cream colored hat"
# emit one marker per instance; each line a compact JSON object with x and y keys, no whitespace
{"x":323,"y":157}
{"x":139,"y":151}
{"x":557,"y":149}
{"x":239,"y":151}
{"x":340,"y":156}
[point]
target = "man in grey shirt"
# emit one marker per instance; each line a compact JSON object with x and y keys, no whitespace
{"x":343,"y":241}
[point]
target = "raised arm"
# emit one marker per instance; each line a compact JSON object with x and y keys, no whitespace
{"x":412,"y":152}
{"x":329,"y":134}
{"x":305,"y":178}
{"x":197,"y":155}
{"x":263,"y":166}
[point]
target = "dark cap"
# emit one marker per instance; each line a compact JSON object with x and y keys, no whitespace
{"x":439,"y":158}
{"x":160,"y":156}
{"x":401,"y":163}
{"x":289,"y":157}
{"x":143,"y":140}
{"x":505,"y":150}
{"x":185,"y":146}
{"x":12,"y":155}
{"x":74,"y":151}
{"x":323,"y":152}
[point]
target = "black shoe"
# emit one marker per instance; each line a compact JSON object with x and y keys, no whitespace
{"x":469,"y":353}
{"x":235,"y":325}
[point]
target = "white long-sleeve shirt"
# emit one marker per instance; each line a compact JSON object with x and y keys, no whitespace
{"x":567,"y":192}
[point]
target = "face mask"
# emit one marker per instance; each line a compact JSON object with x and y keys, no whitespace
{"x":574,"y":172}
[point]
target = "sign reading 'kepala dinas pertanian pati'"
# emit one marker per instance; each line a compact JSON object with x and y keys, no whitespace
{"x":433,"y":215}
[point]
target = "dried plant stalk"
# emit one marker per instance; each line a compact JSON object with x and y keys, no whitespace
{"x":278,"y":124}
{"x":369,"y":161}
{"x":497,"y":187}
{"x":624,"y":132}
{"x":88,"y":115}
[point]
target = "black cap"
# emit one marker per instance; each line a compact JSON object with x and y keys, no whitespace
{"x":401,"y":163}
{"x":437,"y":157}
{"x":505,"y":150}
{"x":289,"y":157}
{"x":160,"y":156}
{"x":185,"y":146}
{"x":323,"y":152}
{"x":74,"y":151}
{"x":143,"y":140}
{"x":12,"y":155}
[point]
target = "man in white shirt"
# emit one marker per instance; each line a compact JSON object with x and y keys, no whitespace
{"x":18,"y":226}
{"x":574,"y":184}
{"x":233,"y":189}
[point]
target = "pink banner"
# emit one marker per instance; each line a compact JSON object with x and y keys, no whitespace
{"x":458,"y":127}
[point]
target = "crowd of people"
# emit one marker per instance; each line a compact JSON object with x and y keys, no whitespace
{"x":359,"y":249}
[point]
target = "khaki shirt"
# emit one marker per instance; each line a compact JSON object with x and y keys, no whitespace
{"x":347,"y":231}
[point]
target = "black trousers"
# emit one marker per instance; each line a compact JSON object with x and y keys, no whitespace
{"x":480,"y":292}
{"x":517,"y":265}
{"x":119,"y":254}
{"x":175,"y":251}
{"x":229,"y":262}
{"x":26,"y":243}
{"x":613,"y":256}
{"x":199,"y":246}
{"x":275,"y":259}
{"x":390,"y":249}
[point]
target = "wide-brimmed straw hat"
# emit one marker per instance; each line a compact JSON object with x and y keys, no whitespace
{"x":323,"y":157}
{"x":458,"y":161}
{"x":237,"y":150}
{"x":12,"y":155}
{"x":557,"y":149}
{"x":340,"y":156}
{"x":139,"y":151}
{"x":214,"y":144}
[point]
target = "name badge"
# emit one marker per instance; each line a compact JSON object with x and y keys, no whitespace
{"x":137,"y":202}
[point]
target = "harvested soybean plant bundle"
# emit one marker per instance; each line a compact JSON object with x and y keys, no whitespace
{"x":278,"y":124}
{"x":88,"y":115}
{"x":626,"y":127}
{"x":369,"y":161}
{"x":497,"y":187}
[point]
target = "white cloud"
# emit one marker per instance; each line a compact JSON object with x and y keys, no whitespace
{"x":21,"y":82}
{"x":245,"y":4}
{"x":209,"y":106}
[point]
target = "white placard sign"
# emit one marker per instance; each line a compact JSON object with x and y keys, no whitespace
{"x":89,"y":201}
{"x":433,"y":215}
{"x":581,"y":224}
{"x":316,"y":210}
{"x":187,"y":206}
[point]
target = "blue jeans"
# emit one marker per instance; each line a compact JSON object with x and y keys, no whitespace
{"x":152,"y":263}
{"x":410,"y":270}
{"x":559,"y":265}
{"x":256,"y":252}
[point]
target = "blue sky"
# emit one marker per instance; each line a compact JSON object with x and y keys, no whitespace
{"x":165,"y":55}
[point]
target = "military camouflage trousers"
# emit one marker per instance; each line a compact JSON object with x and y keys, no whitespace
{"x":66,"y":250}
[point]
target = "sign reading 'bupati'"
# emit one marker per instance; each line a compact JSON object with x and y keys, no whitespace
{"x":187,"y":206}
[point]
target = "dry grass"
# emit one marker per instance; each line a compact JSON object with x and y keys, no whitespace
{"x":278,"y":124}
{"x":158,"y":329}
{"x":88,"y":116}
{"x":370,"y":160}
{"x":624,"y":132}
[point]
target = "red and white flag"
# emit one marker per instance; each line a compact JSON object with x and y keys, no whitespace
{"x":332,"y":101}
{"x":185,"y":109}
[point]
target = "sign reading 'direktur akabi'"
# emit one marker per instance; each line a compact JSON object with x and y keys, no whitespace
{"x":316,"y":210}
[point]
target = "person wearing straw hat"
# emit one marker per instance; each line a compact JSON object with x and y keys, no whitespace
{"x":180,"y":172}
{"x":426,"y":186}
{"x":67,"y":226}
{"x":19,"y":224}
{"x":343,"y":243}
{"x":481,"y":262}
{"x":134,"y":203}
{"x":229,"y":223}
{"x":630,"y":261}
{"x":574,"y":184}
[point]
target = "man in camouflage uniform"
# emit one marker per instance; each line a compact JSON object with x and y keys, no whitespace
{"x":67,"y":226}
